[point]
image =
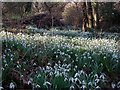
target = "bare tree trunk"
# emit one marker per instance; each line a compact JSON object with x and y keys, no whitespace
{"x":83,"y":25}
{"x":91,"y":19}
{"x":77,"y":18}
{"x":97,"y":15}
{"x":85,"y":16}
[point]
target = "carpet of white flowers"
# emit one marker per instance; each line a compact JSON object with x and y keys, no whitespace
{"x":58,"y":61}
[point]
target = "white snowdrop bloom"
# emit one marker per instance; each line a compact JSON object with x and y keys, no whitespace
{"x":117,"y":61}
{"x":75,"y":66}
{"x":51,"y":73}
{"x":97,"y":80}
{"x":4,"y":61}
{"x":96,"y":75}
{"x":69,"y":56}
{"x":12,"y":55}
{"x":29,"y":82}
{"x":104,"y":57}
{"x":101,"y":64}
{"x":56,"y":56}
{"x":2,"y":68}
{"x":1,"y":88}
{"x":47,"y":67}
{"x":89,"y":57}
{"x":38,"y":75}
{"x":17,"y":66}
{"x":11,"y":86}
{"x":36,"y":54}
{"x":59,"y":62}
{"x":34,"y":64}
{"x":21,"y":76}
{"x":11,"y":59}
{"x":113,"y":85}
{"x":114,"y":56}
{"x":72,"y":87}
{"x":83,"y":82}
{"x":69,"y":65}
{"x":71,"y":79}
{"x":65,"y":79}
{"x":77,"y":74}
{"x":47,"y":83}
{"x":97,"y":87}
{"x":81,"y":72}
{"x":74,"y":69}
{"x":95,"y":83}
{"x":76,"y":79}
{"x":83,"y":86}
{"x":31,"y":79}
{"x":84,"y":66}
{"x":6,"y":65}
{"x":37,"y":86}
{"x":90,"y":83}
{"x":118,"y":84}
{"x":102,"y":76}
{"x":4,"y":55}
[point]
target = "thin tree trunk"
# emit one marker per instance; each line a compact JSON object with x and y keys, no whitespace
{"x":77,"y":18}
{"x":97,"y":15}
{"x":84,"y":15}
{"x":91,"y":18}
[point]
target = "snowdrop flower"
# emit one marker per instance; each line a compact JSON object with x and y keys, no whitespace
{"x":6,"y":65}
{"x":72,"y":87}
{"x":38,"y":76}
{"x":104,"y":57}
{"x":21,"y":76}
{"x":83,"y":82}
{"x":97,"y":80}
{"x":11,"y":59}
{"x":117,"y":61}
{"x":12,"y":86}
{"x":29,"y":82}
{"x":83,"y":86}
{"x":31,"y":79}
{"x":47,"y":83}
{"x":17,"y":66}
{"x":34,"y":64}
{"x":84,"y":66}
{"x":36,"y":54}
{"x":75,"y":66}
{"x":37,"y":86}
{"x":71,"y":79}
{"x":118,"y":84}
{"x":82,"y":72}
{"x":4,"y":61}
{"x":102,"y":76}
{"x":65,"y":79}
{"x":97,"y":87}
{"x":89,"y":57}
{"x":90,"y":83}
{"x":1,"y":88}
{"x":51,"y":73}
{"x":76,"y":79}
{"x":96,"y":75}
{"x":47,"y":67}
{"x":77,"y":74}
{"x":49,"y":63}
{"x":59,"y":62}
{"x":113,"y":85}
{"x":2,"y":68}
